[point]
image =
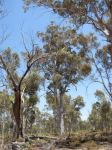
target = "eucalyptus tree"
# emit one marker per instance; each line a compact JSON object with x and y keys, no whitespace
{"x":105,"y":109}
{"x":30,"y":99}
{"x":96,"y":14}
{"x":95,"y":117}
{"x":5,"y":110}
{"x":10,"y":63}
{"x":72,"y":113}
{"x":100,"y":117}
{"x":67,"y":64}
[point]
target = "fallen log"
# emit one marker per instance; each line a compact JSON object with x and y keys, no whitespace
{"x":42,"y":137}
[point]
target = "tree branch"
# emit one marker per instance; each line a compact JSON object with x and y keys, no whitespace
{"x":29,"y":67}
{"x":101,"y":76}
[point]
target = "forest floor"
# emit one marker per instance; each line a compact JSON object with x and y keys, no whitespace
{"x":82,"y":141}
{"x":78,"y":141}
{"x":105,"y":146}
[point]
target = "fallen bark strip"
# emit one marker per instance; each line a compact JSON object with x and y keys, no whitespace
{"x":50,"y":145}
{"x":43,"y":137}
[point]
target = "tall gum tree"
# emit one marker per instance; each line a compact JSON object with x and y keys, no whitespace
{"x":100,"y":116}
{"x":96,"y":13}
{"x":67,"y":64}
{"x":71,"y":108}
{"x":10,"y":63}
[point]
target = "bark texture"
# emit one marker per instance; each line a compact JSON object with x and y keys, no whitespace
{"x":17,"y":114}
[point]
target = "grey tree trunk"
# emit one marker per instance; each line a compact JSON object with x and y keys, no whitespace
{"x":60,"y":111}
{"x":62,"y":127}
{"x":56,"y":95}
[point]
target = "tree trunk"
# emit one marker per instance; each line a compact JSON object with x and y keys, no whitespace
{"x":60,"y":112}
{"x":17,"y":114}
{"x":62,"y":127}
{"x":57,"y":110}
{"x":3,"y":134}
{"x":110,"y":47}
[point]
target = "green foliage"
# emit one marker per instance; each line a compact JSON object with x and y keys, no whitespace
{"x":5,"y":101}
{"x":51,"y":100}
{"x":11,"y":58}
{"x":100,"y":117}
{"x":97,"y":13}
{"x":72,"y":109}
{"x":102,"y":61}
{"x":5,"y":112}
{"x":11,"y":62}
{"x":65,"y":66}
{"x":100,"y":95}
{"x":31,"y":84}
{"x":72,"y":113}
{"x":79,"y":103}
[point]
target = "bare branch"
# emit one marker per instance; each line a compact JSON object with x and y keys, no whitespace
{"x":103,"y":82}
{"x":24,"y":43}
{"x":29,"y":67}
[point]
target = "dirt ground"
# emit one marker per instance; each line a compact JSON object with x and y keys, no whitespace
{"x":101,"y":147}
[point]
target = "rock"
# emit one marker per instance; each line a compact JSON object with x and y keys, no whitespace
{"x":83,"y":139}
{"x":18,"y":145}
{"x":27,"y":139}
{"x":109,"y":138}
{"x":15,"y":146}
{"x":97,"y":137}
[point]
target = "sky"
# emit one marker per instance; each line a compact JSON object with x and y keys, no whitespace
{"x":17,"y":22}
